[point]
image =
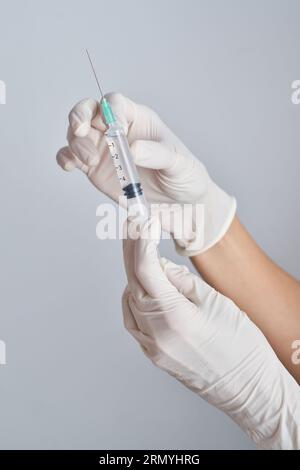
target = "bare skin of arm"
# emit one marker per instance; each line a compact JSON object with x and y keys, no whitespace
{"x":239,"y":269}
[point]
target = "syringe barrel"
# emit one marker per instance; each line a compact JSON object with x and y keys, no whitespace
{"x":125,"y":169}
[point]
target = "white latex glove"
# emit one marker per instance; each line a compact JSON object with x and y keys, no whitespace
{"x":169,"y":172}
{"x":201,"y":338}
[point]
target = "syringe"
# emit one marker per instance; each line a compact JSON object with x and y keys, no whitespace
{"x":122,"y":158}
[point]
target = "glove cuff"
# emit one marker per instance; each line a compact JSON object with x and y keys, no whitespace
{"x":218,"y":212}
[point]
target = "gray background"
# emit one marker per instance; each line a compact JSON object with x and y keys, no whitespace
{"x":219,"y":73}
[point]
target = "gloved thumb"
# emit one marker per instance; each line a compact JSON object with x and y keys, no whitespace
{"x":156,"y":156}
{"x":188,"y":284}
{"x":144,"y":272}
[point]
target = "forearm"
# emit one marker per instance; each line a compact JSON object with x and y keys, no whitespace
{"x":239,"y":269}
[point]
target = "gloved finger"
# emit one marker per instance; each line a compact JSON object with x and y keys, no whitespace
{"x":131,"y":326}
{"x":85,"y":150}
{"x":94,"y":135}
{"x":83,"y":114}
{"x":146,"y":266}
{"x":188,"y":284}
{"x":128,"y":255}
{"x":68,"y":161}
{"x":129,"y":320}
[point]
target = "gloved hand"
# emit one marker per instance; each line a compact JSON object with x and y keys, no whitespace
{"x":202,"y":339}
{"x":169,"y":172}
